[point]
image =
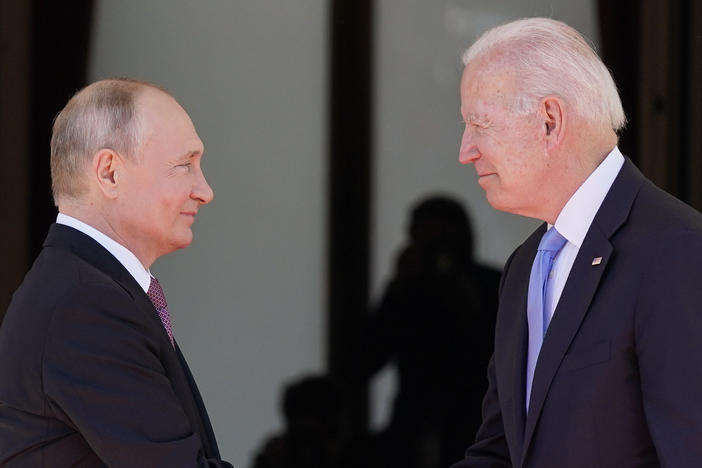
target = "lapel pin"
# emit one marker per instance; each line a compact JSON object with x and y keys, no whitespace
{"x":596,"y":260}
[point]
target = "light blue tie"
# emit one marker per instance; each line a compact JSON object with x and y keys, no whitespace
{"x":550,"y":245}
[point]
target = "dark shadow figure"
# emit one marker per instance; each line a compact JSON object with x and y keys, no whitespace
{"x":316,"y":431}
{"x":435,"y":323}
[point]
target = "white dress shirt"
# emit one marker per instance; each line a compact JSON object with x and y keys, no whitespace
{"x":575,"y":219}
{"x":120,"y":252}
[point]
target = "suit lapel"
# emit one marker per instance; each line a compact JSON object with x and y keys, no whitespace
{"x":572,"y":308}
{"x":92,"y":252}
{"x":580,"y":289}
{"x":518,"y":372}
{"x":517,"y":301}
{"x":197,"y":407}
{"x":172,"y":360}
{"x":511,"y":341}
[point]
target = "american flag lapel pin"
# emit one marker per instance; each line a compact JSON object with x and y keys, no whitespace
{"x":596,"y":261}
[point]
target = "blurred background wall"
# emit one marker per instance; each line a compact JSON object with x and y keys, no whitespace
{"x":247,"y":296}
{"x":261,"y":297}
{"x":418,"y":126}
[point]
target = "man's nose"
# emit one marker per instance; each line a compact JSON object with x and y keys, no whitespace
{"x":469,"y":150}
{"x":202,"y":190}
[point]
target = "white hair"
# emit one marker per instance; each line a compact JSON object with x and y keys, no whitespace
{"x":551,"y":58}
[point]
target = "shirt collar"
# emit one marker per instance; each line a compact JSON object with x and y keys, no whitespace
{"x":120,"y":252}
{"x":575,"y":218}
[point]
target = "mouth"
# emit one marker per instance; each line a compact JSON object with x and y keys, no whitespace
{"x":485,"y":178}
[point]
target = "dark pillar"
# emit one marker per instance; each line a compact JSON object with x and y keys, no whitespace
{"x":349,"y":190}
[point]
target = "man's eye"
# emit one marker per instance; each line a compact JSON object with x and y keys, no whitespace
{"x":477,"y":126}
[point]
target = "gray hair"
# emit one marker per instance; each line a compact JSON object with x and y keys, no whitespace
{"x":101,"y":115}
{"x":551,"y":58}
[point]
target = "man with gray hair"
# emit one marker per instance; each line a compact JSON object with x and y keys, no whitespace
{"x":92,"y":374}
{"x":598,"y":342}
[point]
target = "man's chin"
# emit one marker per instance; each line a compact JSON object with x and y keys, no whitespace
{"x":496,"y":202}
{"x":183,"y":240}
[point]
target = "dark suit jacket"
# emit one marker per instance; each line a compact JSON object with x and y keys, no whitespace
{"x":618,"y":382}
{"x":89,"y":377}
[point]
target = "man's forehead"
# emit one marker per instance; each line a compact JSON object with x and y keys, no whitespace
{"x":161,"y":111}
{"x":152,"y":101}
{"x":493,"y":85}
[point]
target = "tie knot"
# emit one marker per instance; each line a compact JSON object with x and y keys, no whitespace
{"x":552,"y":241}
{"x":155,"y":293}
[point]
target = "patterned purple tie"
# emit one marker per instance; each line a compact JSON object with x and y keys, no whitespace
{"x":155,"y":293}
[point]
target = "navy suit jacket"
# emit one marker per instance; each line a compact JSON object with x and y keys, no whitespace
{"x":89,"y":377}
{"x":618,"y":382}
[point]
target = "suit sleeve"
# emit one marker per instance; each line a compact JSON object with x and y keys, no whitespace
{"x":102,"y":375}
{"x":490,"y":448}
{"x":668,"y":334}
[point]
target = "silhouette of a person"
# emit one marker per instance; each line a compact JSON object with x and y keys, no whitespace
{"x":435,"y":322}
{"x":315,"y":434}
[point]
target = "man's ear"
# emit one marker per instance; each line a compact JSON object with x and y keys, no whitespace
{"x":553,"y":114}
{"x":108,"y":168}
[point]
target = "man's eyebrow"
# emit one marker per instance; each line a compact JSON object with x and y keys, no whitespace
{"x":191,"y":154}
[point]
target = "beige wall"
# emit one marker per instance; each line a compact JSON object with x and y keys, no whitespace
{"x":418,"y":124}
{"x":247,"y":296}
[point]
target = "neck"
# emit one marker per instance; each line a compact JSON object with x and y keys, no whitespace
{"x":574,"y":168}
{"x":91,"y":215}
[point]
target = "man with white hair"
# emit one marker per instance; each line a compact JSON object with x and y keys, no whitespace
{"x":598,"y":343}
{"x":92,"y":375}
